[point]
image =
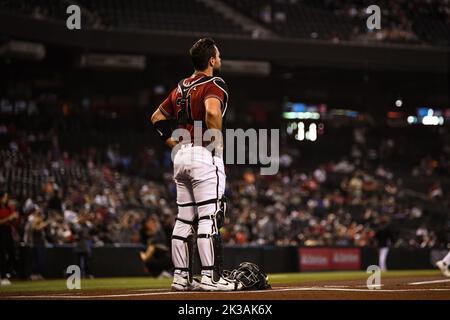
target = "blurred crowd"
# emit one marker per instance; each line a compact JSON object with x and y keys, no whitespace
{"x":90,"y":198}
{"x":402,"y":21}
{"x":100,"y":204}
{"x":334,"y":205}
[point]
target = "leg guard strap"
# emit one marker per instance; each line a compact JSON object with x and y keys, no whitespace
{"x":203,"y":203}
{"x":189,"y":204}
{"x":186,"y":221}
{"x":180,"y":238}
{"x":182,"y":269}
{"x":208,"y":267}
{"x":204,"y":235}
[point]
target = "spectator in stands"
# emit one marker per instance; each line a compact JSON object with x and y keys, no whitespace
{"x":54,"y":203}
{"x":435,"y":192}
{"x":265,"y":13}
{"x":156,"y":257}
{"x":385,"y":239}
{"x":39,"y":13}
{"x":7,"y":250}
{"x":83,"y":248}
{"x":35,"y":237}
{"x":267,"y":228}
{"x":168,"y":222}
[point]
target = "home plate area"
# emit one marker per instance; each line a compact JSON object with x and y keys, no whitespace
{"x":392,"y":288}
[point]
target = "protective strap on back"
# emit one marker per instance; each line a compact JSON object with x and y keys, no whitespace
{"x":185,"y":116}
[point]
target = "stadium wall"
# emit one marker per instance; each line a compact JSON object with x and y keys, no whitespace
{"x":123,"y":260}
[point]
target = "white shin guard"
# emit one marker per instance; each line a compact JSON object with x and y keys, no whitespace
{"x":182,"y":247}
{"x":210,"y":248}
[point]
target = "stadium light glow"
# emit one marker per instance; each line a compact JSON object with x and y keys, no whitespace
{"x":301,"y":115}
{"x":301,"y":132}
{"x":309,"y":134}
{"x":431,"y":120}
{"x":312,"y":132}
{"x":411,"y":119}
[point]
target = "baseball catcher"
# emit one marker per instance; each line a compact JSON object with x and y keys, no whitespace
{"x":198,"y":172}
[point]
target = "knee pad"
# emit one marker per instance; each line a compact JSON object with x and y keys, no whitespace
{"x":215,"y":206}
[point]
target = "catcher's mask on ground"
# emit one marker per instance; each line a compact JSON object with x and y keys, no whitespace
{"x":251,"y":277}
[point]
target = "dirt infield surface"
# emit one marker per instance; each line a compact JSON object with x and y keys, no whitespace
{"x":420,"y":287}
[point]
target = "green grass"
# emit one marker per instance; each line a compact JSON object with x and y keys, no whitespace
{"x":281,"y":278}
{"x":88,"y":284}
{"x":150,"y":283}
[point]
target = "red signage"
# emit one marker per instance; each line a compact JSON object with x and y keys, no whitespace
{"x":316,"y":259}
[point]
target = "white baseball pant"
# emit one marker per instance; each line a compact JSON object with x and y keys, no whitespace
{"x":200,"y":182}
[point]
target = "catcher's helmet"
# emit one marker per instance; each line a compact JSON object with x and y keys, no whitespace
{"x":250,"y":276}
